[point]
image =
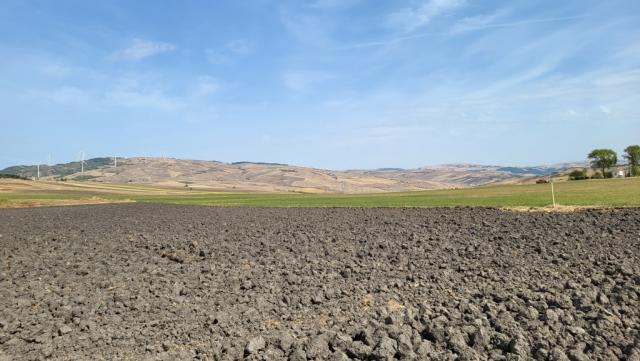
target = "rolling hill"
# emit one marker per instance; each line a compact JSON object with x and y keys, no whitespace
{"x":275,"y":177}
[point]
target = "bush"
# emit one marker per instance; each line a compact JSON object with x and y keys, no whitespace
{"x":597,"y":175}
{"x":84,"y":177}
{"x":578,"y":175}
{"x":635,"y":171}
{"x":608,"y":174}
{"x":12,"y":176}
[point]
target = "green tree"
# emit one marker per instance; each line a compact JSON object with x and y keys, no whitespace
{"x":603,"y":159}
{"x":578,"y":174}
{"x":632,"y":155}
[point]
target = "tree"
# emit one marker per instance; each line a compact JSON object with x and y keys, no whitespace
{"x":632,"y":155}
{"x":578,"y":174}
{"x":603,"y":159}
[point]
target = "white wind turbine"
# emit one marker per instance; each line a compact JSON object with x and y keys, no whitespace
{"x":38,"y":167}
{"x":82,"y":162}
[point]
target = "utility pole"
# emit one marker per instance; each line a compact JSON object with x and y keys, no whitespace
{"x":115,"y":162}
{"x":553,"y":194}
{"x":38,"y":171}
{"x":82,"y":163}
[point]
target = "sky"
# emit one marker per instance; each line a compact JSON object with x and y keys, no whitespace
{"x":337,"y":84}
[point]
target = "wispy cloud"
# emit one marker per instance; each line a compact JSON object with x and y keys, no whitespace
{"x":155,"y":100}
{"x":155,"y":94}
{"x":389,"y":41}
{"x":485,"y":23}
{"x":307,"y":28}
{"x":140,"y":49}
{"x":133,"y":92}
{"x":478,"y":21}
{"x":64,"y":95}
{"x":217,"y":57}
{"x":56,"y":70}
{"x":229,"y":52}
{"x":240,"y":46}
{"x":466,"y":25}
{"x":412,"y":18}
{"x":332,"y":4}
{"x":205,"y":86}
{"x":605,"y":109}
{"x":303,"y":81}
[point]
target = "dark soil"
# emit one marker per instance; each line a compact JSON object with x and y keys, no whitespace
{"x":162,"y":282}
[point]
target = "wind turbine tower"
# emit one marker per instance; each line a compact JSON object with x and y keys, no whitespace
{"x":82,"y":162}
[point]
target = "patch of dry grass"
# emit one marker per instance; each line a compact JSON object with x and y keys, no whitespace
{"x":558,"y":208}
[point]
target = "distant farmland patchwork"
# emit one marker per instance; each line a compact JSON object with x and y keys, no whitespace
{"x":599,"y":193}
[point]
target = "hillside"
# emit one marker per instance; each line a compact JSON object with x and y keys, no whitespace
{"x":275,"y":177}
{"x":469,"y":175}
{"x":58,"y":170}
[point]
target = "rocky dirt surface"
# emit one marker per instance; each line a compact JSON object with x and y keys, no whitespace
{"x":163,"y":282}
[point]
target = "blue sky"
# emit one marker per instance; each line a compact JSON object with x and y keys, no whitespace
{"x":327,"y":83}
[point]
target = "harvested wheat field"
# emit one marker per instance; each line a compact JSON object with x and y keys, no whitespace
{"x":166,"y":282}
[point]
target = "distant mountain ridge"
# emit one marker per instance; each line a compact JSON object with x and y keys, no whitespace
{"x":278,"y":177}
{"x":57,"y":170}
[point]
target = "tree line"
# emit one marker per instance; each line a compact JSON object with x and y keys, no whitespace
{"x":604,"y":159}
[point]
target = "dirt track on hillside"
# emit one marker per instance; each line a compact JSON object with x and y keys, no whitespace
{"x":153,"y":282}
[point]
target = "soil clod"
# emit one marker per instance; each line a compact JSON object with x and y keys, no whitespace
{"x":167,"y":282}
